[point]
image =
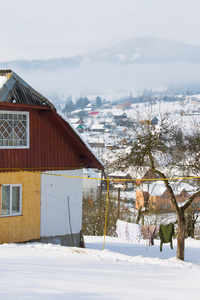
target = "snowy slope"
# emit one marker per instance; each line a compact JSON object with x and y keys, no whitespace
{"x":123,"y":270}
{"x":148,"y":50}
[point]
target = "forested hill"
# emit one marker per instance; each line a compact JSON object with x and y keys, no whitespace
{"x":135,"y":51}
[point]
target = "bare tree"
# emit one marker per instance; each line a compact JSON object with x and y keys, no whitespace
{"x":170,"y":152}
{"x":94,"y":213}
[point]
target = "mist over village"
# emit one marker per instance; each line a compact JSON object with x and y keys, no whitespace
{"x":100,"y":149}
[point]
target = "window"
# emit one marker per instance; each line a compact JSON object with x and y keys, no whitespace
{"x":129,"y":185}
{"x":11,"y":200}
{"x":14,"y":129}
{"x":168,"y":206}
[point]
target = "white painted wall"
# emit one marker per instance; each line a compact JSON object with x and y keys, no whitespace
{"x":90,"y":184}
{"x":55,"y":191}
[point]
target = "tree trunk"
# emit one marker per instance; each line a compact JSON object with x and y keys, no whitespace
{"x":181,"y":236}
{"x":190,"y":226}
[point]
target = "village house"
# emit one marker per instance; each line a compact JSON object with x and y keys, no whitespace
{"x":94,"y":113}
{"x":120,"y":118}
{"x":148,"y":177}
{"x":154,"y":196}
{"x":78,"y":124}
{"x":121,"y":180}
{"x":76,"y":121}
{"x":97,"y":128}
{"x":125,"y":105}
{"x":91,"y":182}
{"x":41,"y":168}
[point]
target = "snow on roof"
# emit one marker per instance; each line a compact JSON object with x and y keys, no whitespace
{"x":183,"y":186}
{"x":97,"y":126}
{"x":137,"y":172}
{"x":76,"y":111}
{"x":154,"y":189}
{"x":87,"y":109}
{"x":74,"y":120}
{"x":118,"y":113}
{"x":90,"y":104}
{"x":3,"y":79}
{"x":91,"y":173}
{"x":109,"y":120}
{"x":97,"y":140}
{"x":118,"y":174}
{"x":158,"y":188}
{"x":120,"y":185}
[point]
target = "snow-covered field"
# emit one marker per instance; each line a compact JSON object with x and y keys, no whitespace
{"x":123,"y":270}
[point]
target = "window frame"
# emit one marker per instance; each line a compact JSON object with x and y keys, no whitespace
{"x":27,"y":129}
{"x":11,"y":214}
{"x":162,"y":206}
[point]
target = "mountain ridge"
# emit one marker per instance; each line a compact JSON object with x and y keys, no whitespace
{"x":141,"y":50}
{"x":150,"y":49}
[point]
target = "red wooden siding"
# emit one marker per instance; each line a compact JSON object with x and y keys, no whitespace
{"x":53,"y":144}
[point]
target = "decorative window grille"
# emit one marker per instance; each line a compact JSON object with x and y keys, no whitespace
{"x":14,"y":129}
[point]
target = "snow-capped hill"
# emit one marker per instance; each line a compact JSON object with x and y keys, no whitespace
{"x":134,"y":65}
{"x":142,"y":50}
{"x":148,"y":50}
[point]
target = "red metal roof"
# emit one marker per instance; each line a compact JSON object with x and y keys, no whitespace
{"x":54,"y":144}
{"x":94,"y":113}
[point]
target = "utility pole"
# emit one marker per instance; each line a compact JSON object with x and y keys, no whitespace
{"x":118,"y":203}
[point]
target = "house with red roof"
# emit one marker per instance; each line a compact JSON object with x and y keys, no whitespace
{"x":41,"y":167}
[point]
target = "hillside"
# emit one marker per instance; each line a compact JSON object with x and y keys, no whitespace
{"x":131,"y":66}
{"x":148,"y":50}
{"x":137,"y":50}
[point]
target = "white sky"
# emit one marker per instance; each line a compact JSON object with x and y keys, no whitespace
{"x":59,"y":28}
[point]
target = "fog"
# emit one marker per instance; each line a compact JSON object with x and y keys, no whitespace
{"x":107,"y":79}
{"x":60,"y":28}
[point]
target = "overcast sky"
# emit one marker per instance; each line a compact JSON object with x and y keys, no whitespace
{"x":34,"y":29}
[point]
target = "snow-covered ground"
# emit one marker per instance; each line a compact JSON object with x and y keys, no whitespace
{"x":123,"y":270}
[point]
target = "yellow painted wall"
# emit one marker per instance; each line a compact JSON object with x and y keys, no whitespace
{"x":139,"y":202}
{"x":27,"y":226}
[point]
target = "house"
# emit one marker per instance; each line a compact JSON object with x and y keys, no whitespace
{"x":76,"y":121}
{"x":148,"y":177}
{"x":125,"y":105}
{"x":154,"y":121}
{"x":90,"y":105}
{"x":120,"y":118}
{"x":97,"y":144}
{"x":41,"y":168}
{"x":97,"y":128}
{"x":91,"y":182}
{"x":94,"y":113}
{"x":121,"y":180}
{"x":79,"y":128}
{"x":154,"y":196}
{"x":78,"y":124}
